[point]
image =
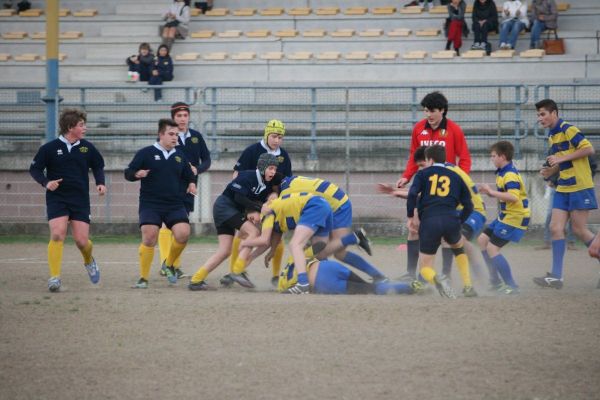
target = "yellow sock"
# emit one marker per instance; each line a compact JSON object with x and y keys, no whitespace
{"x":428,"y":273}
{"x":164,"y":243}
{"x":175,"y":251}
{"x":86,"y":252}
{"x":200,"y":275}
{"x":462,"y":261}
{"x":239,"y":266}
{"x":55,"y":253}
{"x":177,"y":262}
{"x":146,"y":256}
{"x":278,"y":258}
{"x":235,"y":250}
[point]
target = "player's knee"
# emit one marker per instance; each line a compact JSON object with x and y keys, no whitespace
{"x":458,"y":251}
{"x":482,"y":241}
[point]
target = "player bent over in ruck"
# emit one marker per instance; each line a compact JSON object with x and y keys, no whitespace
{"x":439,"y":191}
{"x":162,"y":168}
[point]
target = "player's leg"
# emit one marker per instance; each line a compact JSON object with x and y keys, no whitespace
{"x":178,"y":223}
{"x":146,"y":252}
{"x":81,"y":234}
{"x":277,"y":260}
{"x":235,"y":250}
{"x":558,"y":223}
{"x":483,"y":240}
{"x":499,"y":262}
{"x":165,"y":236}
{"x":412,"y":254}
{"x":197,"y":282}
{"x":430,"y":236}
{"x":301,"y":236}
{"x":247,"y":231}
{"x":579,"y":220}
{"x":452,"y":234}
{"x":58,"y":232}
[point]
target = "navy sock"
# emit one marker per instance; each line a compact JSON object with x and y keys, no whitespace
{"x":494,"y":277}
{"x":558,"y":254}
{"x":361,"y":264}
{"x":303,"y":278}
{"x":447,"y":258}
{"x":396,"y":287}
{"x":412,"y":251}
{"x":349,"y":239}
{"x":503,"y":268}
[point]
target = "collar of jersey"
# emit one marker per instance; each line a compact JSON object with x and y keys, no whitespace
{"x":166,"y":153}
{"x":261,"y":184}
{"x":274,"y":152}
{"x":69,"y":145}
{"x":183,"y":136}
{"x":437,"y":164}
{"x":505,"y":169}
{"x":557,"y":128}
{"x":443,"y":125}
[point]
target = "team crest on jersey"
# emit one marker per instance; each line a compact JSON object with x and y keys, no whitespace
{"x":280,"y":159}
{"x":194,"y":140}
{"x":59,"y":152}
{"x":83,"y":149}
{"x":178,"y":159}
{"x":156,"y":157}
{"x":443,"y":133}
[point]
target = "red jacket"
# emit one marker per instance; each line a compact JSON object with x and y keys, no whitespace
{"x":449,"y":135}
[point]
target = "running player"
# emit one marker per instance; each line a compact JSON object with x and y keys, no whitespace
{"x":271,"y":143}
{"x":162,"y":168}
{"x":238,"y":208}
{"x":67,"y":161}
{"x":439,"y":191}
{"x":194,"y":147}
{"x":575,"y":195}
{"x":512,"y":220}
{"x":342,"y":219}
{"x":435,"y":128}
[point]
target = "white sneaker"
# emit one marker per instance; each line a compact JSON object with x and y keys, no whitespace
{"x":54,"y":284}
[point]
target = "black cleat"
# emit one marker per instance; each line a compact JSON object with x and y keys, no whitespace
{"x":200,"y":286}
{"x":226,"y":281}
{"x":363,"y":242}
{"x":549,"y":281}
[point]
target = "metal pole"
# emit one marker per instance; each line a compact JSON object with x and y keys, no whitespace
{"x":51,"y":98}
{"x":347,"y":117}
{"x":499,"y":128}
{"x":313,"y":124}
{"x":213,"y":115}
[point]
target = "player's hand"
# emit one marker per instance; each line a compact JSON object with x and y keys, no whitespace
{"x":384,"y":188}
{"x":142,"y":173}
{"x":413,"y":224}
{"x":269,"y":257}
{"x":101,"y":190}
{"x":192,"y":188}
{"x":484,"y":188}
{"x":401,"y":182}
{"x":272,"y":196}
{"x":253,"y":217}
{"x":553,"y":160}
{"x":194,"y":169}
{"x":53,"y":185}
{"x":265,"y":209}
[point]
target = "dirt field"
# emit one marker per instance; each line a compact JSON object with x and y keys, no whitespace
{"x":113,"y":342}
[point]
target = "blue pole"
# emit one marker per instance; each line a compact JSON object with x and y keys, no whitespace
{"x":51,"y":98}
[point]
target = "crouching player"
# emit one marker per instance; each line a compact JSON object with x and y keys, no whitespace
{"x":512,"y":220}
{"x":439,"y":191}
{"x":162,"y":168}
{"x":331,"y":277}
{"x":238,"y":208}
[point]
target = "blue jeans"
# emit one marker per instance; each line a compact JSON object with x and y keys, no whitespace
{"x":509,"y":31}
{"x":547,"y":234}
{"x":536,"y":32}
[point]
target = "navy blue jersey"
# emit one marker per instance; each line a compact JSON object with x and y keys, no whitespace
{"x":196,"y":151}
{"x":72,"y":167}
{"x":250,"y":185}
{"x":162,"y":188}
{"x":249,"y":159}
{"x":441,"y":190}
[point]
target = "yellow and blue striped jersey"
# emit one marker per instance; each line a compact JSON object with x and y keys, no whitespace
{"x":508,"y":180}
{"x":319,"y":187}
{"x":478,"y":204}
{"x":286,"y":211}
{"x":575,"y":175}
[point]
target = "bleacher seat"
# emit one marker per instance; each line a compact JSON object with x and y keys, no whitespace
{"x":399,"y":32}
{"x":386,"y":55}
{"x":532,"y":53}
{"x":245,"y":55}
{"x":217,"y":56}
{"x":383,"y":10}
{"x":357,"y":55}
{"x":299,"y":11}
{"x":415,"y":55}
{"x":443,"y":54}
{"x":217,"y":12}
{"x":187,"y":57}
{"x":314,"y":33}
{"x":329,"y":55}
{"x":356,"y":11}
{"x":327,"y":11}
{"x":473,"y":54}
{"x":244,"y":12}
{"x":70,"y":35}
{"x":272,"y":55}
{"x":87,"y":12}
{"x":300,"y":55}
{"x":411,"y":10}
{"x":428,"y":32}
{"x":64,"y":12}
{"x":14,"y":35}
{"x":5,"y":56}
{"x":205,"y":34}
{"x":27,"y":57}
{"x":438,"y":10}
{"x":258,"y":33}
{"x":32,"y":12}
{"x":230,"y":34}
{"x":8,"y":12}
{"x":342,"y":33}
{"x":286,"y":33}
{"x":61,"y":57}
{"x":371,"y":33}
{"x":272,"y":11}
{"x":195,"y":12}
{"x":502,"y":54}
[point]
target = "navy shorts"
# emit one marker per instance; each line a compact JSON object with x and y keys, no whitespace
{"x":580,"y":200}
{"x":317,"y":215}
{"x":168,"y":217}
{"x":332,"y":278}
{"x":342,"y":217}
{"x":473,"y":226}
{"x":433,"y":229}
{"x":75,"y":212}
{"x":500,"y":233}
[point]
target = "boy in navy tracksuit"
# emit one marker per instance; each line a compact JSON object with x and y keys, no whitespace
{"x":162,"y":71}
{"x":67,"y":161}
{"x":439,"y":191}
{"x":163,"y":170}
{"x":142,"y":63}
{"x":194,"y":147}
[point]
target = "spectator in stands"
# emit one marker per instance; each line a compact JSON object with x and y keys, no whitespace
{"x":141,"y":64}
{"x":455,"y":21}
{"x":162,"y":70}
{"x":515,"y":20}
{"x":485,"y":20}
{"x":204,"y":6}
{"x":545,"y":16}
{"x":426,"y":5}
{"x":176,"y":19}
